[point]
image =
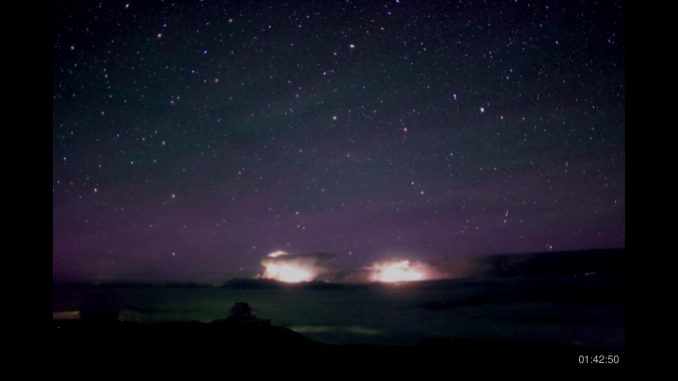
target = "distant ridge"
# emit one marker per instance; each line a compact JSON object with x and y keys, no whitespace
{"x":561,"y":263}
{"x":536,"y":264}
{"x":119,"y":284}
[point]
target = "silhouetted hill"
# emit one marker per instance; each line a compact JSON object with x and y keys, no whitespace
{"x":252,"y":283}
{"x":103,"y":347}
{"x":561,"y":263}
{"x":126,"y":284}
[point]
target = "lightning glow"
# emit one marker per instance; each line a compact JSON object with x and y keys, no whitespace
{"x":287,"y":273}
{"x":398,"y":271}
{"x":275,"y":267}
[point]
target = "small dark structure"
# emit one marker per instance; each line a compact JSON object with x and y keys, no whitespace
{"x":242,"y":314}
{"x":241,"y":310}
{"x":99,"y":308}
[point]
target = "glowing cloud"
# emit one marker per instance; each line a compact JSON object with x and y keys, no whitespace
{"x":293,"y":268}
{"x":287,"y":273}
{"x":277,"y":253}
{"x":400,"y":271}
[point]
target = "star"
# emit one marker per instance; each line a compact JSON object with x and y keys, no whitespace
{"x":252,"y":111}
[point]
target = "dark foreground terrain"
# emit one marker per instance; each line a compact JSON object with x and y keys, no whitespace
{"x":79,"y":345}
{"x":521,"y":314}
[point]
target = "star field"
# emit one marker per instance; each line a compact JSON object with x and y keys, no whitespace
{"x":193,"y":138}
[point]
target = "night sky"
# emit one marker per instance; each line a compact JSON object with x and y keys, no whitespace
{"x":191,"y":139}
